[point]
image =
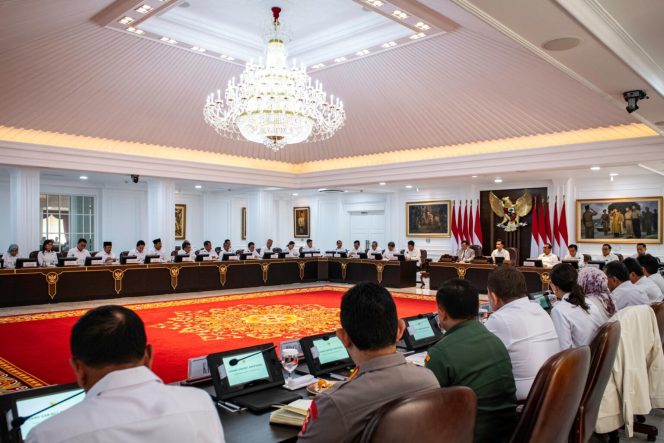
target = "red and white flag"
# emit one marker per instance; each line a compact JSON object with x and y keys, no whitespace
{"x":477,"y":237}
{"x":556,"y":236}
{"x":534,"y":232}
{"x":547,"y":223}
{"x":471,"y":221}
{"x":541,"y":228}
{"x":465,"y":222}
{"x":564,"y":240}
{"x":454,"y":244}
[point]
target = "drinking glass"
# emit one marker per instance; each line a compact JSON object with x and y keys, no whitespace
{"x":289,"y":360}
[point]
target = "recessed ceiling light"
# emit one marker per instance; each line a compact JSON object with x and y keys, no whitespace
{"x":400,"y":14}
{"x":198,"y":186}
{"x":362,"y":52}
{"x":473,"y":176}
{"x":143,"y":9}
{"x":417,"y":36}
{"x":613,"y":174}
{"x":375,"y":3}
{"x":197,"y":49}
{"x":498,"y":180}
{"x":135,"y":31}
{"x":389,"y":44}
{"x":595,"y":168}
{"x":125,"y":20}
{"x":561,"y":44}
{"x":318,"y":66}
{"x":409,"y":186}
{"x":423,"y":26}
{"x":295,"y":194}
{"x":168,"y":40}
{"x":382,"y":183}
{"x":83,"y":177}
{"x":340,"y":59}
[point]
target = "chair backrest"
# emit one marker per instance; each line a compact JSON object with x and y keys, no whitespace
{"x":477,"y":249}
{"x":444,"y":414}
{"x":554,"y":398}
{"x":423,"y":255}
{"x":124,"y":253}
{"x":217,"y":249}
{"x":277,"y":250}
{"x":620,"y":257}
{"x":587,"y":258}
{"x":33,"y":255}
{"x":659,"y":314}
{"x":603,"y":350}
{"x":514,"y":256}
{"x":174,"y":253}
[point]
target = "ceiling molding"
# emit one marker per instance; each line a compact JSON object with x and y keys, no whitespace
{"x":606,"y":28}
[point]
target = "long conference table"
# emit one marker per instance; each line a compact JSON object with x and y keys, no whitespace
{"x":30,"y":286}
{"x":537,"y":279}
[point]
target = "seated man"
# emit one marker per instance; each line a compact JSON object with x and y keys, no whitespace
{"x":139,"y":251}
{"x":500,"y":252}
{"x":226,"y":248}
{"x":158,"y":250}
{"x":607,"y":255}
{"x":412,"y":253}
{"x":309,"y":247}
{"x":651,"y":270}
{"x":574,"y":255}
{"x":340,"y":247}
{"x":623,"y":291}
{"x":637,"y":277}
{"x":369,"y":330}
{"x":124,"y":400}
{"x":186,"y":249}
{"x":79,"y":251}
{"x":461,"y":358}
{"x":268,"y":247}
{"x":465,"y":254}
{"x":355,"y":252}
{"x":251,"y":251}
{"x":549,"y":259}
{"x":207,"y":249}
{"x":290,"y":250}
{"x":107,"y":256}
{"x":390,"y":253}
{"x":374,"y":250}
{"x":525,"y":328}
{"x":641,"y":250}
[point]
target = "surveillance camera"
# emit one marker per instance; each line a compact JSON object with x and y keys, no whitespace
{"x":633,"y":97}
{"x":134,"y":178}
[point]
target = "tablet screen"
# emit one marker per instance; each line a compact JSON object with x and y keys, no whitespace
{"x":34,"y":404}
{"x":330,"y":350}
{"x":420,"y":328}
{"x":248,"y":368}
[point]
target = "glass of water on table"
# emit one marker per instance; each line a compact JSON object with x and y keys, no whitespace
{"x":289,"y":360}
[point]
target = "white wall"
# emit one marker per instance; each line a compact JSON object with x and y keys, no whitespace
{"x":5,"y":241}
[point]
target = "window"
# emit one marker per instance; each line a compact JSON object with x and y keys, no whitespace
{"x":66,"y":218}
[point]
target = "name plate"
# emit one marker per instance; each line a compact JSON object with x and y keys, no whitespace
{"x":198,"y":368}
{"x":96,"y":262}
{"x":208,"y":258}
{"x":329,"y":254}
{"x":235,"y":257}
{"x":71,"y":263}
{"x":529,"y":264}
{"x":131,"y":261}
{"x":29,"y":264}
{"x":187,"y":258}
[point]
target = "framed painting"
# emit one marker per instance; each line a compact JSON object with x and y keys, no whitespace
{"x":244,"y":223}
{"x":180,"y":221}
{"x":301,"y":222}
{"x":619,"y":220}
{"x":428,"y":219}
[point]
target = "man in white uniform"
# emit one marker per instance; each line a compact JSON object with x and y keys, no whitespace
{"x":291,"y":252}
{"x":226,"y":248}
{"x":309,"y":247}
{"x":641,"y":249}
{"x":651,"y":270}
{"x":186,"y":249}
{"x":79,"y":251}
{"x":548,"y":258}
{"x":340,"y":247}
{"x":139,"y":251}
{"x":500,"y":252}
{"x":525,"y":329}
{"x":251,"y":251}
{"x":574,"y":255}
{"x":391,"y":252}
{"x":465,"y":254}
{"x":412,"y":253}
{"x":355,"y":252}
{"x":107,"y":256}
{"x":158,"y":250}
{"x":125,"y":401}
{"x":623,"y":291}
{"x":268,"y":247}
{"x":607,"y":255}
{"x":207,"y":249}
{"x":374,"y":250}
{"x":637,"y":277}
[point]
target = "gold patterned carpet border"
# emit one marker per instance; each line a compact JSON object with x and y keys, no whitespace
{"x":14,"y":379}
{"x":195,"y":301}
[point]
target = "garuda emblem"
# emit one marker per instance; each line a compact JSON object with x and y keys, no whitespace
{"x":511,"y":212}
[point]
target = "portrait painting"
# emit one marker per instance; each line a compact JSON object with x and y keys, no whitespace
{"x":244,"y":223}
{"x":180,"y":221}
{"x":619,"y":220}
{"x":301,"y":222}
{"x":428,"y":219}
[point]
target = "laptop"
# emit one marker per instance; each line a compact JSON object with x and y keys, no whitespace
{"x":282,"y":254}
{"x":533,"y":263}
{"x":574,"y":263}
{"x":267,"y":255}
{"x":499,"y":260}
{"x":249,"y":377}
{"x":226,"y":256}
{"x":597,"y":264}
{"x":25,"y":403}
{"x":400,"y":257}
{"x":67,"y":261}
{"x":90,"y":261}
{"x":26,"y":263}
{"x":149,"y":258}
{"x":343,"y":254}
{"x":421,"y":331}
{"x":325,"y":354}
{"x":201,"y":257}
{"x":377,"y":256}
{"x":542,"y":298}
{"x":362,"y":255}
{"x":127,"y":258}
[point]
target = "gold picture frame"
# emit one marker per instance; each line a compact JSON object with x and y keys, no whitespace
{"x":610,"y":220}
{"x":244,"y":223}
{"x":302,"y":222}
{"x":429,"y":219}
{"x":180,"y":221}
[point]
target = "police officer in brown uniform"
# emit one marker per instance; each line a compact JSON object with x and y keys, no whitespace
{"x":369,"y":331}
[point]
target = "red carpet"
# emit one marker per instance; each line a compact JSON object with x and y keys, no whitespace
{"x":38,"y":344}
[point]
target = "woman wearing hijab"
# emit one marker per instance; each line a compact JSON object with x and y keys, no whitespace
{"x":594,"y":285}
{"x":10,"y":256}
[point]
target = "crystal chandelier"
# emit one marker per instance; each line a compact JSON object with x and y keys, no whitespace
{"x":274,"y":104}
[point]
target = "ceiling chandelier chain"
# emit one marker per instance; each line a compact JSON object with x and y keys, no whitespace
{"x":274,"y":104}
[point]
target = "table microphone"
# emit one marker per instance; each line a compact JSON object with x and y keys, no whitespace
{"x":235,"y":361}
{"x":18,"y":421}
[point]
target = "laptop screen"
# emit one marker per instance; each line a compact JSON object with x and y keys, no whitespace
{"x":541,"y":298}
{"x":421,"y":331}
{"x":249,"y":367}
{"x":330,"y":350}
{"x":421,"y":328}
{"x":25,"y":407}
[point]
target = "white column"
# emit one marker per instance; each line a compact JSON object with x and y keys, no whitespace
{"x":25,"y":219}
{"x":261,"y":218}
{"x":161,"y":212}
